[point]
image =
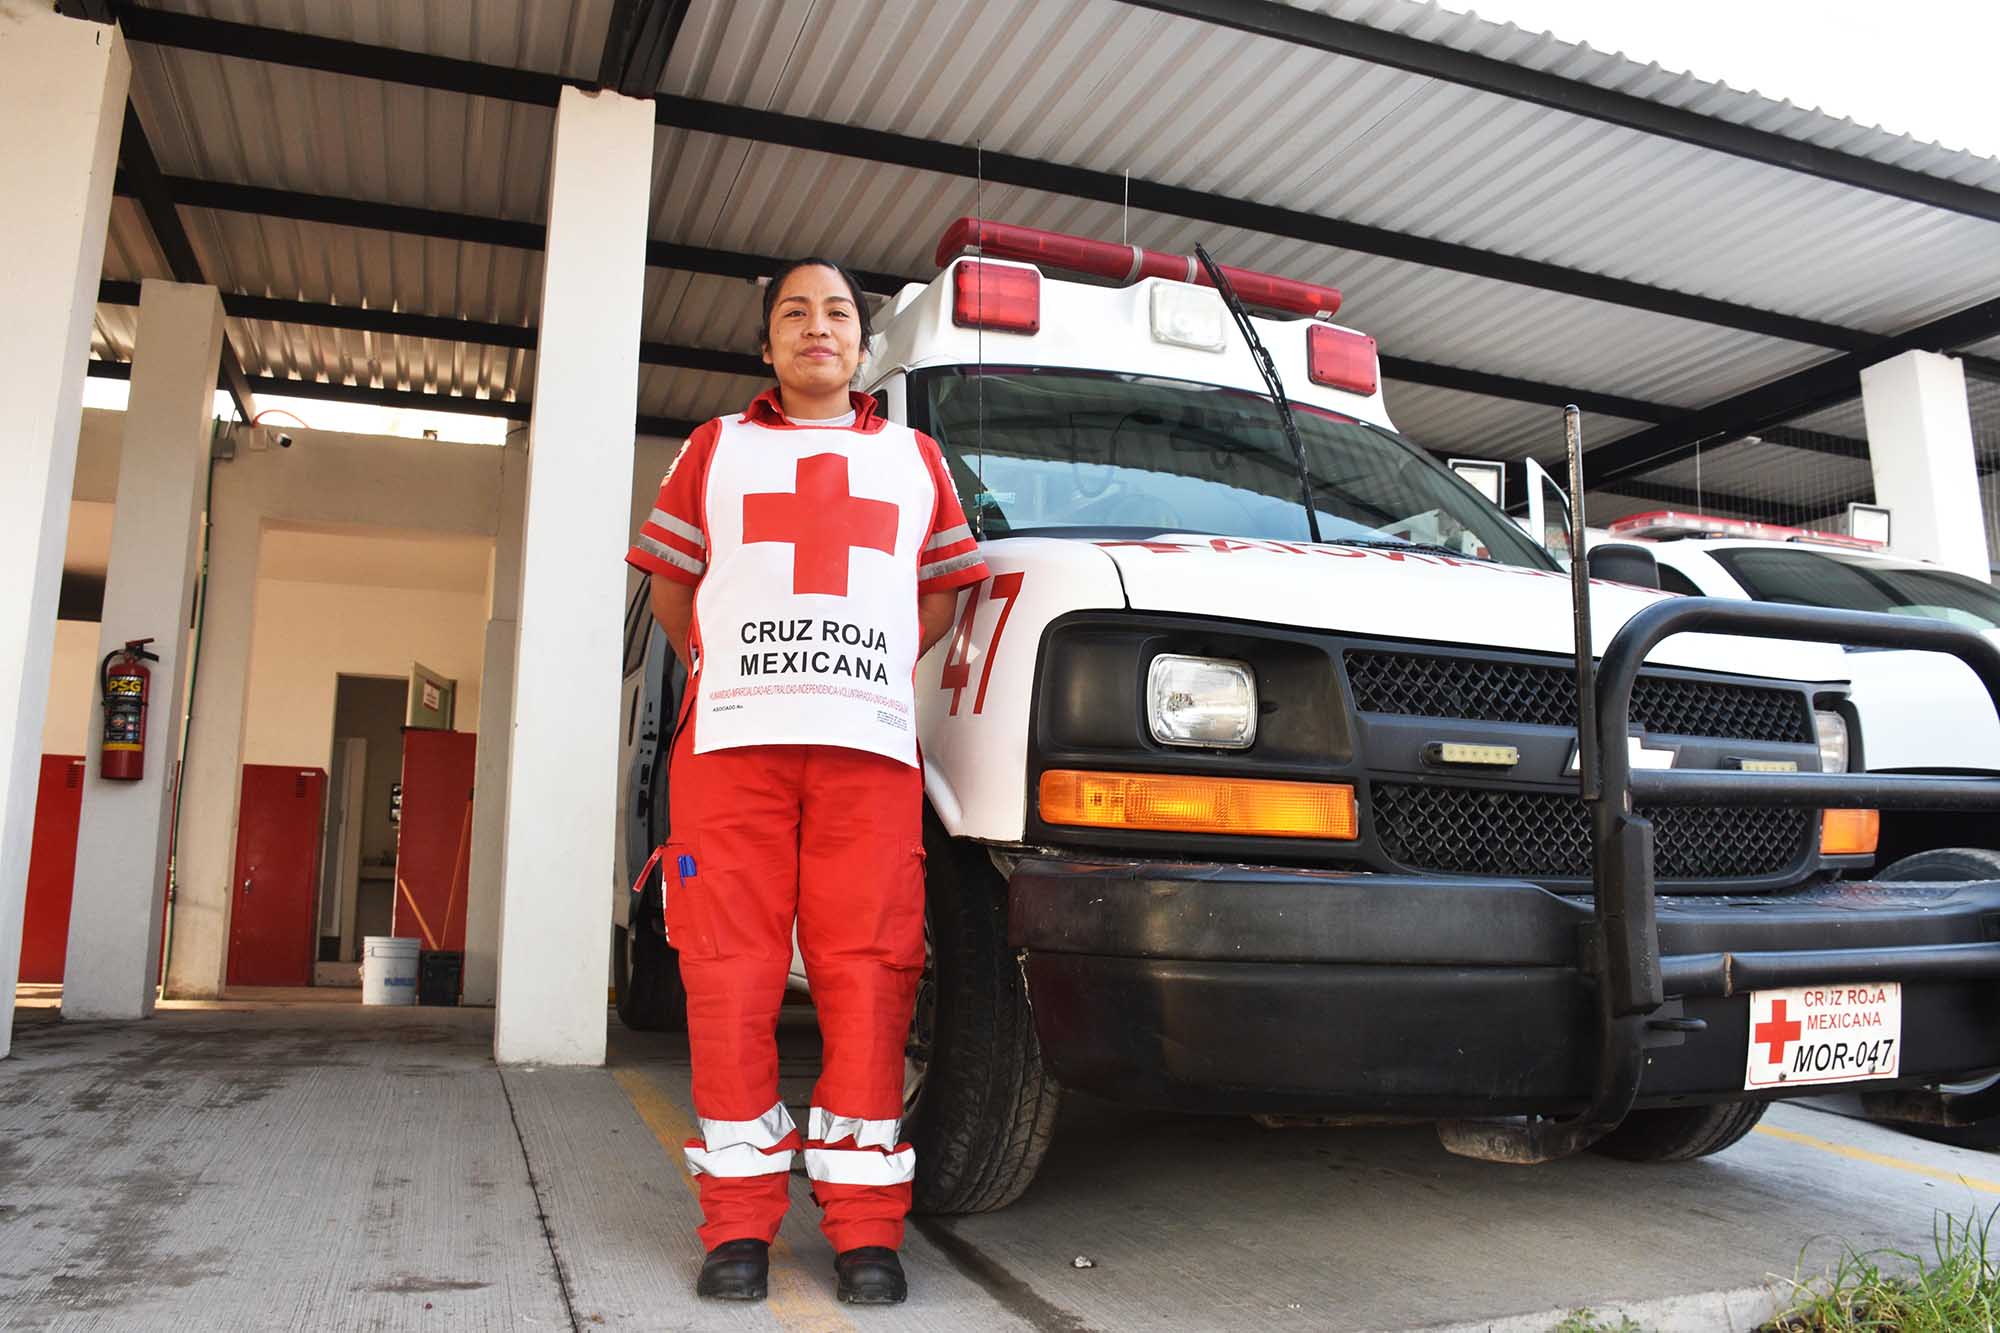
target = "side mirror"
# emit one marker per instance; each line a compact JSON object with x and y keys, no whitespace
{"x":1485,"y":475}
{"x":1548,"y":513}
{"x":1622,"y":562}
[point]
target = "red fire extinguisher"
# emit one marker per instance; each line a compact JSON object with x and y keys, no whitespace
{"x":126,"y":684}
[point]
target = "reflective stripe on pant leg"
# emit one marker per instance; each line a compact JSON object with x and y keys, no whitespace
{"x":757,"y":1147}
{"x":876,"y":1157}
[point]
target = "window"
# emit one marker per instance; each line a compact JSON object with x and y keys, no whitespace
{"x":1672,"y":580}
{"x":1066,"y":451}
{"x":1824,"y":578}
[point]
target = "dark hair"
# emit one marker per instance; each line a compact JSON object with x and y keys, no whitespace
{"x":791,"y":266}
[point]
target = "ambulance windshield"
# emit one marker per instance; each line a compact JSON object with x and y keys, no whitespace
{"x":1071,"y":451}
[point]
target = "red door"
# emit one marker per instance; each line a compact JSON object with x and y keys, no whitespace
{"x":52,"y":868}
{"x":434,"y":837}
{"x":271,"y":920}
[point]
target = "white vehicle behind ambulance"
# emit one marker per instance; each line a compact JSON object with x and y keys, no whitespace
{"x":1250,"y":772}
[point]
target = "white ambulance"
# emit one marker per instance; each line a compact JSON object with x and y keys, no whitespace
{"x":1919,"y":712}
{"x":1245,"y":803}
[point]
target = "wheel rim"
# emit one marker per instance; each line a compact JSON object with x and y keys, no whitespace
{"x":923,"y":1029}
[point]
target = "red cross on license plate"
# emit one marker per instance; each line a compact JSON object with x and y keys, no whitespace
{"x":1825,"y":1034}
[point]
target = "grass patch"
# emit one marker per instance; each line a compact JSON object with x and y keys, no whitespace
{"x":1587,"y":1321}
{"x":1955,"y":1290}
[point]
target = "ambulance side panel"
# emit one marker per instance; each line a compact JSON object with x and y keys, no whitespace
{"x":975,"y":689}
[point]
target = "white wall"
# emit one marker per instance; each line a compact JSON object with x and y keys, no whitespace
{"x":309,"y":633}
{"x":72,"y":702}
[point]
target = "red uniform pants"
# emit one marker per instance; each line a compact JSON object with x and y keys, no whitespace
{"x":829,"y":838}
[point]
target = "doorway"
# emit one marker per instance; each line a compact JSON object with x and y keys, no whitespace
{"x":358,"y":896}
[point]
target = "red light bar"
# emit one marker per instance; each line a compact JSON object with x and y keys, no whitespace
{"x":1128,"y":264}
{"x":996,"y":296}
{"x":1340,"y":360}
{"x":1674,"y":523}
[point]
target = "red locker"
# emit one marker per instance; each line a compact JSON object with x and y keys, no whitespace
{"x":271,"y":915}
{"x":52,"y":868}
{"x":434,"y":839}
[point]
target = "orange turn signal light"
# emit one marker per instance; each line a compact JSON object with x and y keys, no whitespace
{"x":1849,"y":832}
{"x":1177,"y":803}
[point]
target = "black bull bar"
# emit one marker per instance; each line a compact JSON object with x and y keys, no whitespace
{"x":1632,"y":980}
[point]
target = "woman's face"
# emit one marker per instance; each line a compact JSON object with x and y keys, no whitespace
{"x":814,"y":341}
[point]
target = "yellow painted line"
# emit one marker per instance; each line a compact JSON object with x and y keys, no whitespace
{"x":797,"y":1301}
{"x":1880,"y":1159}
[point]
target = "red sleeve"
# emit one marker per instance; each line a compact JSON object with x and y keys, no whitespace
{"x":673,"y":541}
{"x":949,"y":557}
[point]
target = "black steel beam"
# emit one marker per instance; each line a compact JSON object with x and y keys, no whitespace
{"x":401,"y":220}
{"x":353,"y":58}
{"x":1703,"y":501}
{"x":1782,"y":399}
{"x":1323,"y":32}
{"x":637,"y":43}
{"x":142,"y":169}
{"x":1816,"y":442}
{"x":515,"y":410}
{"x":1985,"y":367}
{"x":276,"y":46}
{"x":1179,"y":201}
{"x":1523,"y":390}
{"x":310,"y":314}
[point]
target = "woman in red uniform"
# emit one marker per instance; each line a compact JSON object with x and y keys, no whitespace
{"x":804,"y":555}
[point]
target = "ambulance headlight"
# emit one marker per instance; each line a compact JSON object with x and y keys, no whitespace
{"x":1832,"y":729}
{"x":1209,"y":701}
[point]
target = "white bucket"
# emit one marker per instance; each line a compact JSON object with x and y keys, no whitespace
{"x":388,"y":970}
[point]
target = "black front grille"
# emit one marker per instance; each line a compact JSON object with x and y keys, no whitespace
{"x":1484,"y":690}
{"x":1469,"y":830}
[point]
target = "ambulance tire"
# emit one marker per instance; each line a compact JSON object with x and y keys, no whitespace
{"x":987,"y":1110}
{"x":646,"y":973}
{"x":1680,"y":1133}
{"x":1948,"y":865}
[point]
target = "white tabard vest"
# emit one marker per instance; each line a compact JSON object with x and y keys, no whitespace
{"x":807,"y":612}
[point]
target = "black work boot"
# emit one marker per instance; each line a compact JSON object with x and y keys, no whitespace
{"x":736,"y":1270}
{"x":870,"y":1275}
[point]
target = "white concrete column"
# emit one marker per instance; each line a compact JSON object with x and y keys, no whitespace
{"x":1920,"y":445}
{"x":555,"y":926}
{"x":212,"y":777}
{"x":113,"y":966}
{"x":62,"y":98}
{"x":496,"y":734}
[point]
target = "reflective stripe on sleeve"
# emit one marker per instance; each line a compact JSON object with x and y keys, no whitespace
{"x":939,"y":568}
{"x":861,"y":1166}
{"x":822,"y":1126}
{"x":660,"y":550}
{"x":949,"y":537}
{"x":667,"y":522}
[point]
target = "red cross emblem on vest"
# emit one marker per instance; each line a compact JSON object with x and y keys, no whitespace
{"x":823,"y":522}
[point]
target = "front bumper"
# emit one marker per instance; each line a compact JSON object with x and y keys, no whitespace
{"x":1253,"y":989}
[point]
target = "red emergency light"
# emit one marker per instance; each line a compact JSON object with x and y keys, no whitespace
{"x":1128,"y":264}
{"x":1341,"y":359}
{"x":996,"y":296}
{"x":1674,"y":523}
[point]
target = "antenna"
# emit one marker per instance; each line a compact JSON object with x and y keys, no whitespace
{"x":1588,"y":776}
{"x":979,"y":342}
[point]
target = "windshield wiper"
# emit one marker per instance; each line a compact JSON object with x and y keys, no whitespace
{"x":1398,"y":544}
{"x":1269,"y":370}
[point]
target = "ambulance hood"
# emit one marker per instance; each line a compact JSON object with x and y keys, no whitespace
{"x":1390,"y":594}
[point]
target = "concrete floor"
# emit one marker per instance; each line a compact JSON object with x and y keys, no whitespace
{"x":297,"y":1161}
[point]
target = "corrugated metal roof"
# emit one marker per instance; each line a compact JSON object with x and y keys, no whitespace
{"x":1092,"y":83}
